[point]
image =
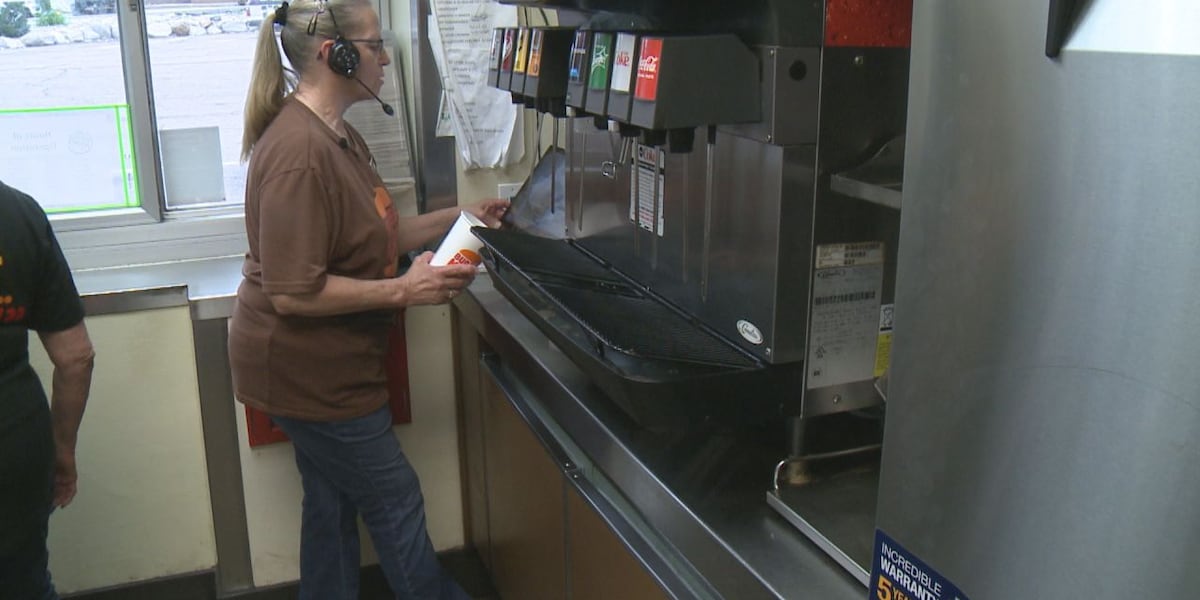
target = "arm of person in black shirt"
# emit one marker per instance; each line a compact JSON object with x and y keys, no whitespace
{"x":71,"y":352}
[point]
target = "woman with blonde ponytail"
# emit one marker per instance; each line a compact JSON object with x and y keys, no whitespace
{"x":321,"y":289}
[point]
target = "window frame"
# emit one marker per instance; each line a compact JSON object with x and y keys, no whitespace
{"x":135,"y":58}
{"x":148,"y":234}
{"x":151,"y":234}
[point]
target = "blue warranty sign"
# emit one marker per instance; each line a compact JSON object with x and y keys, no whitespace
{"x":898,"y":575}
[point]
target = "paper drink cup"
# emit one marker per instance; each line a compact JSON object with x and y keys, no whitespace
{"x":460,"y":247}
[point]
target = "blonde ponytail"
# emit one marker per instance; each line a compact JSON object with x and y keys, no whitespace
{"x":269,"y":85}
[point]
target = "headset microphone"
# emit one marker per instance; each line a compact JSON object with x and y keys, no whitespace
{"x":387,"y":108}
{"x":344,"y":58}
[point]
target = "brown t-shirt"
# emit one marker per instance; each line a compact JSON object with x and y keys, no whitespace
{"x":314,"y":206}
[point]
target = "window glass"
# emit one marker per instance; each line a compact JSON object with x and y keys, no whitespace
{"x":200,"y":60}
{"x":65,"y":127}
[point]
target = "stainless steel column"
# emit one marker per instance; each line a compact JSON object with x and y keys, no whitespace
{"x":1043,"y":421}
{"x":436,"y":167}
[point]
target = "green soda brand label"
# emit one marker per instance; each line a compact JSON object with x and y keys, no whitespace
{"x":601,"y":55}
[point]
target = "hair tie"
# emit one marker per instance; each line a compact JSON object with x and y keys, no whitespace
{"x":281,"y":15}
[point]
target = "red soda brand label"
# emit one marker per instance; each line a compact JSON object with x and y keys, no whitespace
{"x":648,"y":69}
{"x":510,"y":40}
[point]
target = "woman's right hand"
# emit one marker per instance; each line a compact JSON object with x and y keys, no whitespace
{"x":426,"y":284}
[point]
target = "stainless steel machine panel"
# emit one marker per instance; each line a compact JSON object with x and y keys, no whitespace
{"x":1041,"y":437}
{"x":593,"y":157}
{"x":736,"y":229}
{"x":761,"y":246}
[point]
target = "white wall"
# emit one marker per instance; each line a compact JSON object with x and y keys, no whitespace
{"x":143,"y":509}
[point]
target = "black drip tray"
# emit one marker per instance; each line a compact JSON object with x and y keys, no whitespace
{"x":546,"y":257}
{"x":639,"y":325}
{"x":661,"y":366}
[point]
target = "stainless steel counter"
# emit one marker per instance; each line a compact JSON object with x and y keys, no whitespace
{"x":691,"y":502}
{"x":208,"y":286}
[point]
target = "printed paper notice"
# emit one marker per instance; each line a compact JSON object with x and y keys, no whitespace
{"x":445,"y":125}
{"x":92,"y":146}
{"x":487,"y":126}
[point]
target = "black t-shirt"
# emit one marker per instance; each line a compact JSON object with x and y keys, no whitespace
{"x":36,"y":292}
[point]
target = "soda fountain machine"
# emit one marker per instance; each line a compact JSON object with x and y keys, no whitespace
{"x":731,"y":229}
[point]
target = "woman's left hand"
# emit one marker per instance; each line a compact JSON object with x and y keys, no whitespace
{"x":489,"y":211}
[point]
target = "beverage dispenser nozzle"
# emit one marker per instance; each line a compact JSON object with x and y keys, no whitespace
{"x":680,"y":141}
{"x":676,"y":141}
{"x":628,"y":131}
{"x":554,"y":165}
{"x":653,"y":137}
{"x":626,"y":151}
{"x":689,"y":81}
{"x":547,"y":79}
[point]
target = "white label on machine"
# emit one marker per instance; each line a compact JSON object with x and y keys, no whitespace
{"x":844,"y":330}
{"x":646,"y":190}
{"x":849,"y":255}
{"x":622,"y":70}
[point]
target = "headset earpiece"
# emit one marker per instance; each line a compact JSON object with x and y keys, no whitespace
{"x":343,"y":57}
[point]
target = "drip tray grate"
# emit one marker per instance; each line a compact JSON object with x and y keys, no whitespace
{"x":535,"y":255}
{"x":620,"y":315}
{"x":641,"y":326}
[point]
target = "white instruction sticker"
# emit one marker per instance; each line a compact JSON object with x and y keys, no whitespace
{"x":849,"y":255}
{"x":646,"y":190}
{"x":844,"y":327}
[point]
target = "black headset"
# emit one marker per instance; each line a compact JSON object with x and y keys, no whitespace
{"x":343,"y":56}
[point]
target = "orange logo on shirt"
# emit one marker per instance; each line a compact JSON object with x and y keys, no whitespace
{"x":8,"y":312}
{"x":387,"y":211}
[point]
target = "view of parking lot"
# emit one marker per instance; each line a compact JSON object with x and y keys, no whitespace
{"x":200,"y":57}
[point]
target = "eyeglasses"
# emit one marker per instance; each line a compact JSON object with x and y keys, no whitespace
{"x":376,"y":46}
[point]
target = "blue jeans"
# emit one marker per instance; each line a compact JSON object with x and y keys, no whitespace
{"x":356,"y":467}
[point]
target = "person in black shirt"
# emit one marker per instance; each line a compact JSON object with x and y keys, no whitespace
{"x":37,"y":441}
